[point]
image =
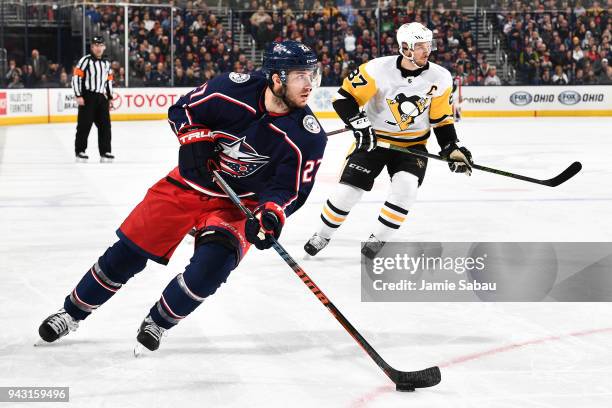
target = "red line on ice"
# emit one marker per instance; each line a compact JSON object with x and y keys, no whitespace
{"x":368,"y":397}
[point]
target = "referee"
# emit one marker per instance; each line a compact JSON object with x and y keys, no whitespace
{"x":92,"y":83}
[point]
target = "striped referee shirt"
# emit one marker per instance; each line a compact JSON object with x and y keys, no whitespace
{"x":93,"y":75}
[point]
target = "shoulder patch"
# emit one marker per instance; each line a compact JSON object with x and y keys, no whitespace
{"x":311,"y":124}
{"x":238,"y":77}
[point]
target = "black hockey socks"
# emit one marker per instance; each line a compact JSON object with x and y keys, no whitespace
{"x":209,"y":267}
{"x":103,"y":280}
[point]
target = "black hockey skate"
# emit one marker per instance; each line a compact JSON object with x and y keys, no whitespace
{"x":81,"y":157}
{"x":372,"y":247}
{"x":315,"y":244}
{"x":57,"y":325}
{"x":106,"y":158}
{"x":149,"y":334}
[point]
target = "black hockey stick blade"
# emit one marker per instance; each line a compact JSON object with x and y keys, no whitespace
{"x":409,"y":380}
{"x":565,"y":175}
{"x":568,"y":173}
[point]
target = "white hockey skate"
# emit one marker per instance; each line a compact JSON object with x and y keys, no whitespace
{"x":57,"y":325}
{"x":315,"y":244}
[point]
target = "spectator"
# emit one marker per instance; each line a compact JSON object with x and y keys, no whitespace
{"x":64,"y":81}
{"x":546,"y":79}
{"x":179,"y":77}
{"x":607,"y":80}
{"x":28,"y":78}
{"x":39,"y":64}
{"x":266,"y":34}
{"x":529,"y":62}
{"x":559,"y":78}
{"x":603,"y":71}
{"x":192,"y":80}
{"x":12,"y":70}
{"x":492,"y":78}
{"x":54,"y":73}
{"x":258,"y":18}
{"x":159,"y":77}
{"x":579,"y":78}
{"x":590,"y":78}
{"x":15,"y":81}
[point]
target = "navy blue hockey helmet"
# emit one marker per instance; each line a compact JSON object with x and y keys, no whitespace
{"x":282,"y":57}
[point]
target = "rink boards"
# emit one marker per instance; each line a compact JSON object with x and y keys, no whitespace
{"x":28,"y":106}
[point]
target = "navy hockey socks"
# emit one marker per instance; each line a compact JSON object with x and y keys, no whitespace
{"x":209,"y":267}
{"x":113,"y":269}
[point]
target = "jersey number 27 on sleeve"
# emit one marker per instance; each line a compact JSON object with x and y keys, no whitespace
{"x":309,"y":167}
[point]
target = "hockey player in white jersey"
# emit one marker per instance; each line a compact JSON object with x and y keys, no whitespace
{"x":403,"y":97}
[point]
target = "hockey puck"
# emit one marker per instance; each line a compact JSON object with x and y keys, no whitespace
{"x":404,"y":387}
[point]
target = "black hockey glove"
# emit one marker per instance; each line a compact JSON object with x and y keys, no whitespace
{"x":268,"y":222}
{"x":197,"y":151}
{"x":460,"y":156}
{"x":365,"y":137}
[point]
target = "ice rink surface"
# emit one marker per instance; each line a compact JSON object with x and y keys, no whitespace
{"x":264,"y":339}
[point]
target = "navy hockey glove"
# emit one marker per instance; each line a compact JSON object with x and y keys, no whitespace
{"x":460,"y":156}
{"x":268,"y":222}
{"x":198,"y":149}
{"x":365,"y":137}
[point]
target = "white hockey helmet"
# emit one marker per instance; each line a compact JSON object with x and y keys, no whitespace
{"x":412,"y":33}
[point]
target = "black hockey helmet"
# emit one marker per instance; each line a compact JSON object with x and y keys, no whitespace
{"x":282,"y":57}
{"x":97,"y":39}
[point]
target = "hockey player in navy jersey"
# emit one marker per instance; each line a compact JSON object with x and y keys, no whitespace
{"x":259,"y":132}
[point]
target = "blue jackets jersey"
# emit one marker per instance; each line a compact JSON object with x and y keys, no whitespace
{"x":270,"y":156}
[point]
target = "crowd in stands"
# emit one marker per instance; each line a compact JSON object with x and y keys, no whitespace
{"x":547,"y":41}
{"x":37,"y":72}
{"x":551,"y":43}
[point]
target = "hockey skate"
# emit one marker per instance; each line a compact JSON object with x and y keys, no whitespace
{"x":149,"y":336}
{"x":107,"y":158}
{"x":57,"y":325}
{"x":81,"y":157}
{"x":372,"y":247}
{"x":315,"y":244}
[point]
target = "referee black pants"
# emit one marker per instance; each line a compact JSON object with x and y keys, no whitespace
{"x":95,"y":111}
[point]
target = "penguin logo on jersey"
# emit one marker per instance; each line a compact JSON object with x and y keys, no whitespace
{"x":237,"y":158}
{"x":405,"y":109}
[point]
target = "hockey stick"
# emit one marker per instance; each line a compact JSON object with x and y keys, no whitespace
{"x":404,"y":380}
{"x":561,"y":178}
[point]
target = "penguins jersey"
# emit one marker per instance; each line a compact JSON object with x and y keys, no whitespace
{"x":264,"y":155}
{"x":402,"y":105}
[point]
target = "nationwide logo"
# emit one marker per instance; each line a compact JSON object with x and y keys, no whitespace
{"x":237,"y":158}
{"x":480,"y":99}
{"x":521,"y":98}
{"x":569,"y":97}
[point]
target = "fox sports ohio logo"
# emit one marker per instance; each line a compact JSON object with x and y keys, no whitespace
{"x":521,"y":98}
{"x":569,"y":97}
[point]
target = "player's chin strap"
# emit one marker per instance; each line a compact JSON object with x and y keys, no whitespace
{"x":411,"y":59}
{"x":283,"y":95}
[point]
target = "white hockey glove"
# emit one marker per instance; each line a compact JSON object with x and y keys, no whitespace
{"x":460,"y":156}
{"x":365,"y":137}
